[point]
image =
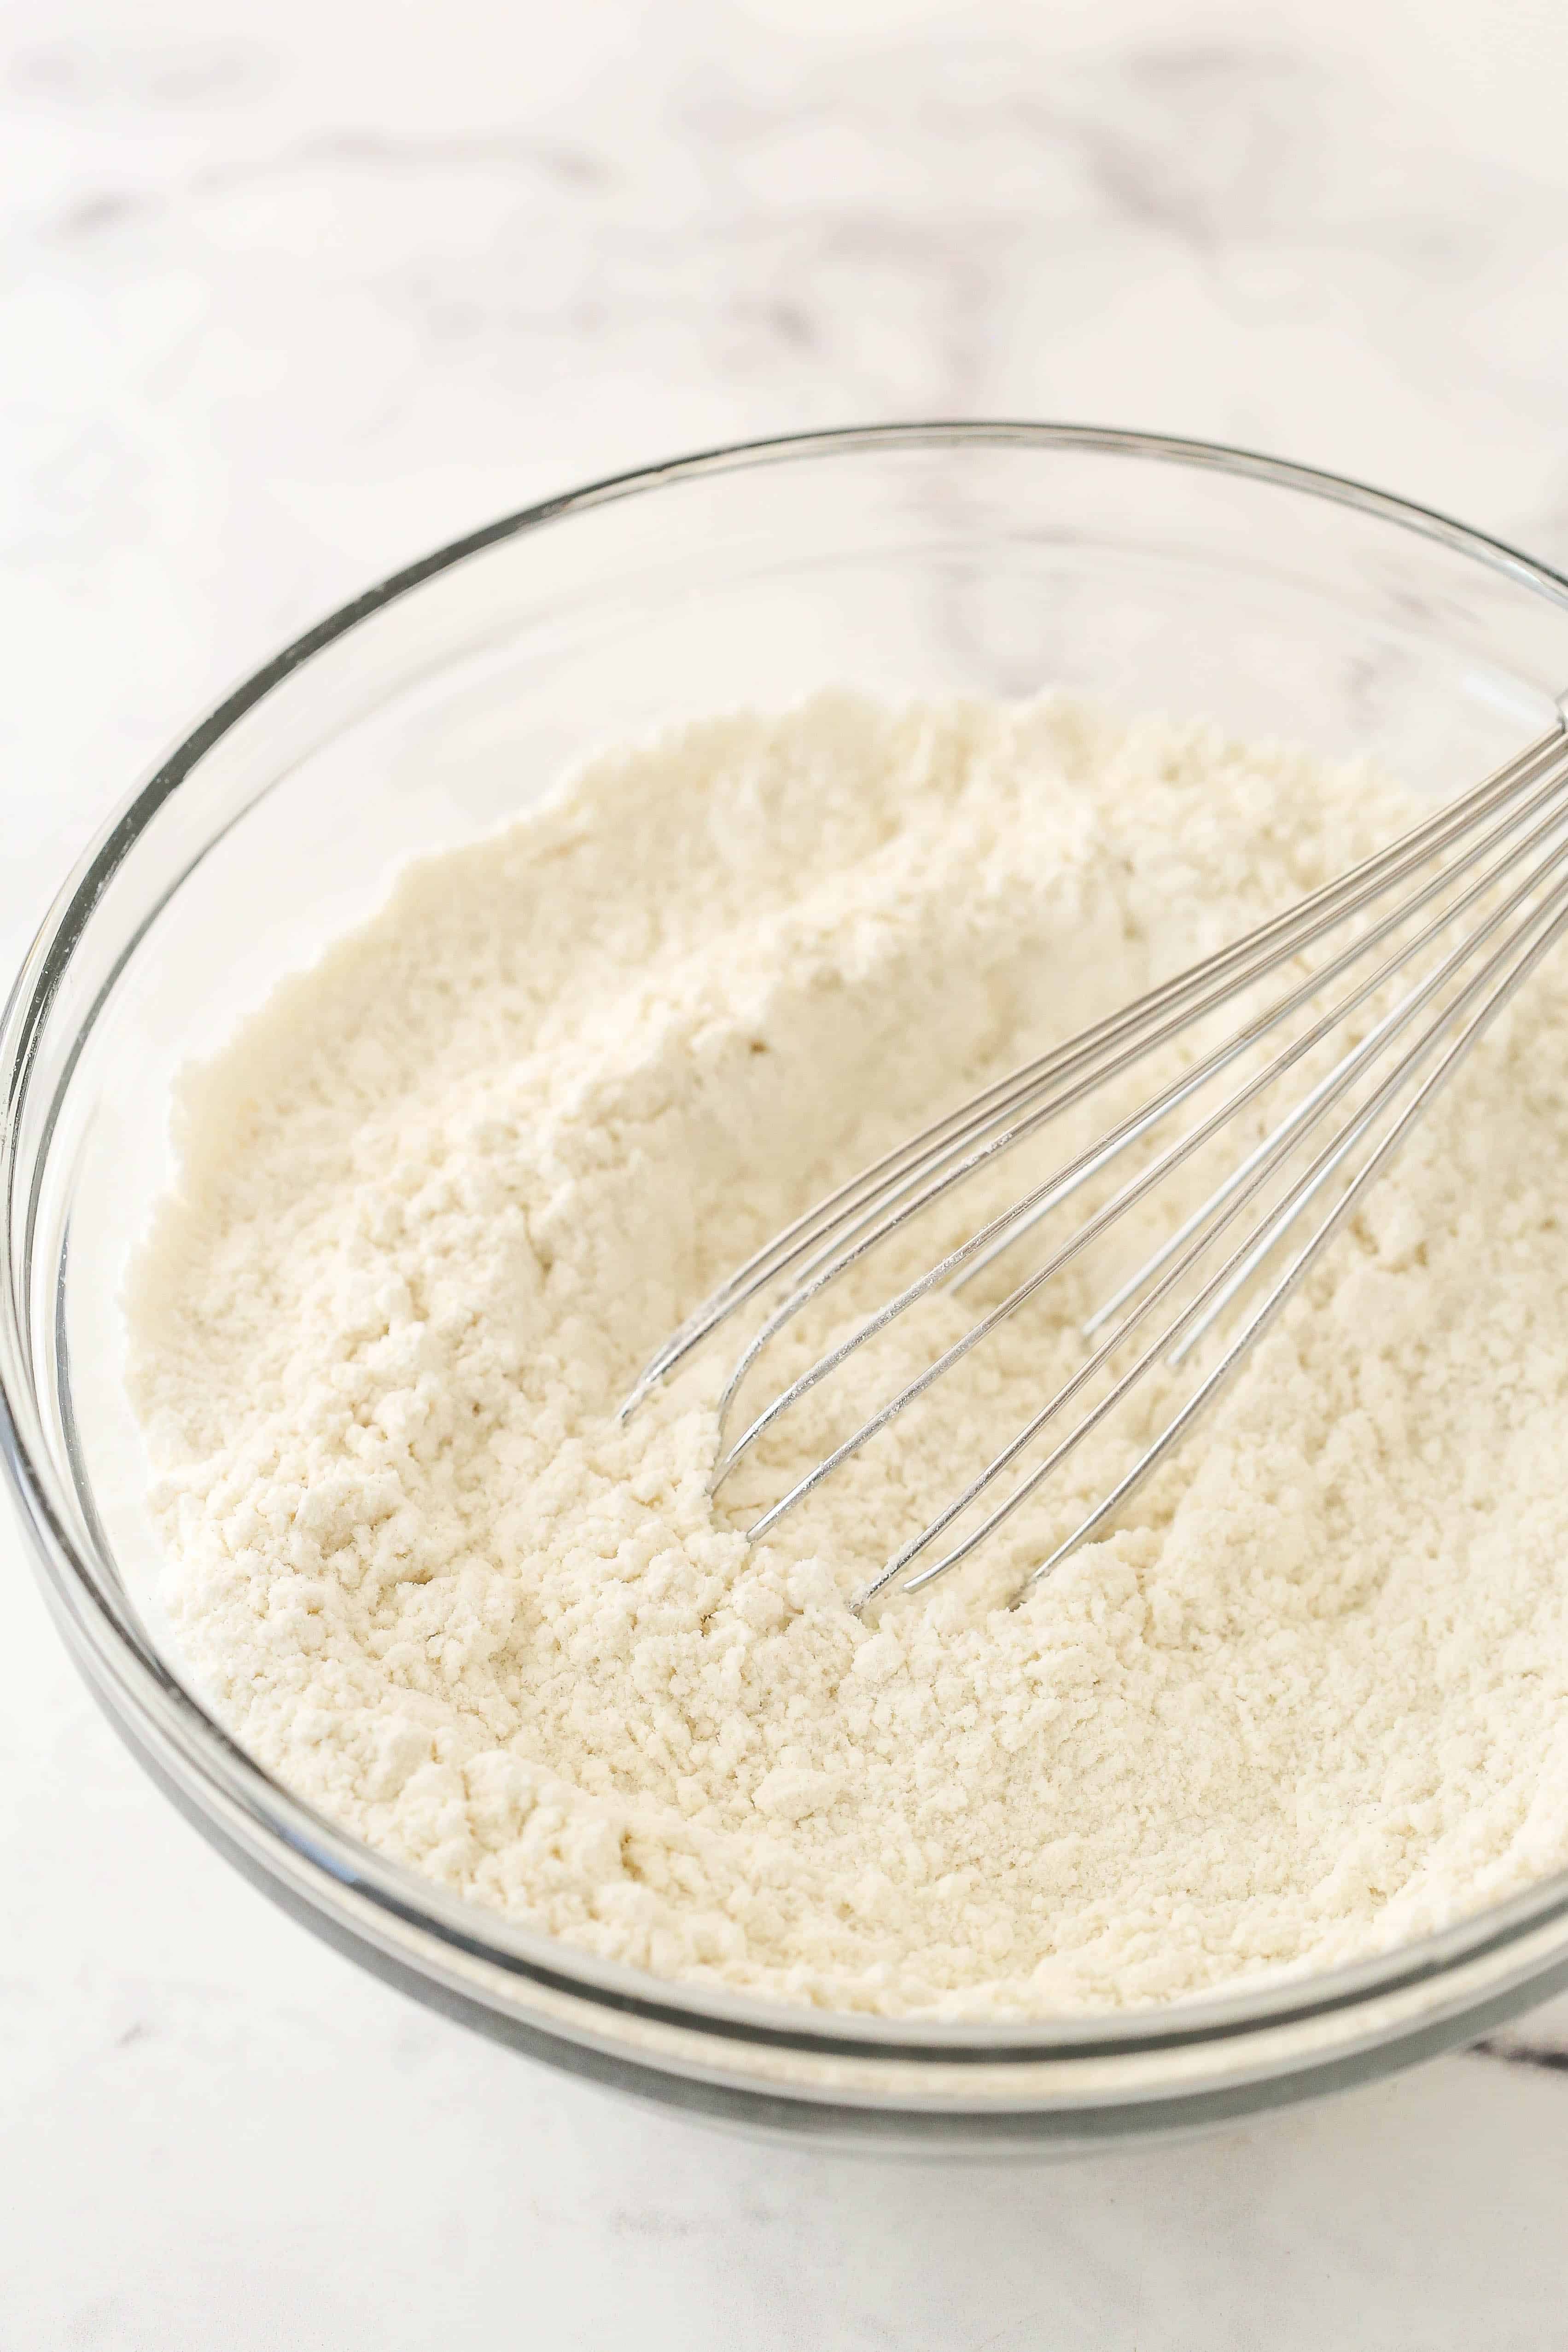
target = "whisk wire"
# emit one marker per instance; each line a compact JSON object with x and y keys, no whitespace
{"x":1516,"y":818}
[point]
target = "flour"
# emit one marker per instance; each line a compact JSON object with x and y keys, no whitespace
{"x":441,"y":1199}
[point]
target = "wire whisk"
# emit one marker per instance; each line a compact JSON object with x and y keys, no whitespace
{"x":1462,"y":908}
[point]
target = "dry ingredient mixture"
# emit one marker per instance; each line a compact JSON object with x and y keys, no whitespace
{"x":442,"y":1197}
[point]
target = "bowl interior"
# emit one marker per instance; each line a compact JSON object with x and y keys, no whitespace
{"x":954,"y":563}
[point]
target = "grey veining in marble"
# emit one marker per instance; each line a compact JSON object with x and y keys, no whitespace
{"x":287,"y":295}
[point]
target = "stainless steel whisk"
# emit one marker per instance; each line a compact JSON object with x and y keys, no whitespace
{"x":1498,"y":855}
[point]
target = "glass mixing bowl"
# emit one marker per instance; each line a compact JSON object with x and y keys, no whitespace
{"x":988,"y":559}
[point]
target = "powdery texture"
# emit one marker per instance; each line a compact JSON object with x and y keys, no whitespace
{"x":440,"y":1200}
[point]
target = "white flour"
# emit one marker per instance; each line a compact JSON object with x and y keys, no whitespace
{"x":445,"y":1195}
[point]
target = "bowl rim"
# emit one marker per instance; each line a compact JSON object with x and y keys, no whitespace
{"x":138,"y":1688}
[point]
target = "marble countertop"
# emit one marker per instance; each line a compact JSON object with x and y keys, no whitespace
{"x":289,"y":296}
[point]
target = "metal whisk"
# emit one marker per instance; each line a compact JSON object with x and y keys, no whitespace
{"x":1478,"y":890}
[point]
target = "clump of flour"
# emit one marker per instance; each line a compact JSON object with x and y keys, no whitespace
{"x":439,"y":1201}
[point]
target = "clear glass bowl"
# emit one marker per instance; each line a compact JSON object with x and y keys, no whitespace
{"x":991,"y":558}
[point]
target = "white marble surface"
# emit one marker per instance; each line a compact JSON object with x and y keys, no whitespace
{"x":289,"y":295}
